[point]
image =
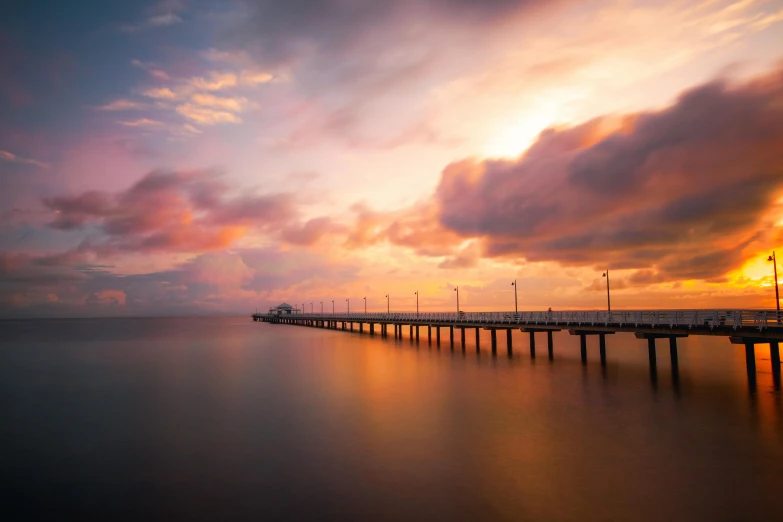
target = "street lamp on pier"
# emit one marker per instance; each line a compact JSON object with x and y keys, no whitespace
{"x":608,"y":302}
{"x":311,"y":307}
{"x":303,"y":308}
{"x":332,"y":306}
{"x":777,"y":292}
{"x":365,"y":304}
{"x":516,"y":305}
{"x":322,"y":307}
{"x":348,"y":305}
{"x":387,"y":303}
{"x":417,"y":303}
{"x":456,"y":289}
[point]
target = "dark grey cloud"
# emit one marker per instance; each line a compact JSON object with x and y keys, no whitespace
{"x":682,"y":193}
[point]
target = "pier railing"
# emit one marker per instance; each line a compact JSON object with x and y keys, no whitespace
{"x":725,"y":319}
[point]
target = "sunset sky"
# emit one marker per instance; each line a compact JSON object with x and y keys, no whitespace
{"x":182,"y":157}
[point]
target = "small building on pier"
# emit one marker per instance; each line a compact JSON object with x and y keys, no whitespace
{"x":282,"y":309}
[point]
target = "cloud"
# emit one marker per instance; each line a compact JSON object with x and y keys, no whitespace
{"x":161,"y":93}
{"x":206,"y":116}
{"x":170,"y":212}
{"x":13,"y":158}
{"x":215,"y":81}
{"x":311,"y":231}
{"x":142,"y":122}
{"x":416,"y":227}
{"x":235,"y":104}
{"x":121,"y":105}
{"x":683,"y":191}
{"x":164,"y":20}
{"x":285,"y":30}
{"x":253,"y":78}
{"x":153,"y":69}
{"x":162,"y":14}
{"x":211,"y":282}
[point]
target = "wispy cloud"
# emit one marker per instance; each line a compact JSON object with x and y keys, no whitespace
{"x":155,"y":70}
{"x":121,"y":105}
{"x":205,"y":115}
{"x":163,"y":14}
{"x":235,"y":104}
{"x":142,"y":122}
{"x":13,"y":158}
{"x":215,"y":81}
{"x":161,"y":93}
{"x":252,"y":78}
{"x":164,"y":19}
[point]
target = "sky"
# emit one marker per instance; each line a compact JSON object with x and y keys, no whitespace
{"x":183,"y":157}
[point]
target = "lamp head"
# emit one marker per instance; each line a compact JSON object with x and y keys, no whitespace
{"x":769,"y":258}
{"x":604,"y":274}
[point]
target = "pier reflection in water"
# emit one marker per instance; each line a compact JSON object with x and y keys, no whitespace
{"x":210,"y":418}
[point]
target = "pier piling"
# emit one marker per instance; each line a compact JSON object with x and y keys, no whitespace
{"x":550,"y":345}
{"x":532,"y":345}
{"x":509,"y":347}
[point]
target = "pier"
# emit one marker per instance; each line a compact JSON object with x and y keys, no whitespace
{"x":744,"y":327}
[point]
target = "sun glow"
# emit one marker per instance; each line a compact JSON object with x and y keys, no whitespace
{"x":518,"y":132}
{"x":758,"y":269}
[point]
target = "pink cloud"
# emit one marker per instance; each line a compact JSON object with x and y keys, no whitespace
{"x":181,"y":211}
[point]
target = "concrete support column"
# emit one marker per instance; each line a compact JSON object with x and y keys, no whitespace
{"x":583,"y":347}
{"x":653,"y":359}
{"x":361,"y":327}
{"x":774,"y":359}
{"x":437,"y":335}
{"x":651,"y":351}
{"x":532,"y":345}
{"x":429,"y":333}
{"x":417,"y":332}
{"x":509,"y":346}
{"x":451,"y":336}
{"x":550,"y":345}
{"x":410,"y":331}
{"x":673,"y":354}
{"x":372,"y":328}
{"x":462,"y":336}
{"x":494,"y":341}
{"x":478,"y":343}
{"x":602,"y":348}
{"x":750,"y":361}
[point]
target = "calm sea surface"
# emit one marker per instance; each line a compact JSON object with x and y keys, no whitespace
{"x":226,"y":419}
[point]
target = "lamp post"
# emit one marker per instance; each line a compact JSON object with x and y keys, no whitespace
{"x":303,"y":308}
{"x":417,"y":303}
{"x":387,"y":303}
{"x":516,"y":302}
{"x":349,"y":306}
{"x":322,"y":308}
{"x":608,"y":302}
{"x":332,"y":306}
{"x":365,"y":304}
{"x":311,"y":307}
{"x":456,"y":289}
{"x":777,"y":292}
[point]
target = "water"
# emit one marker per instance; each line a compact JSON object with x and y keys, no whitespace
{"x":226,"y":419}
